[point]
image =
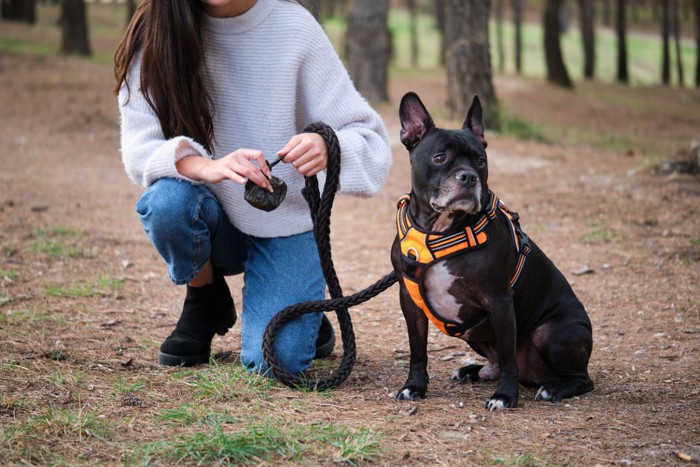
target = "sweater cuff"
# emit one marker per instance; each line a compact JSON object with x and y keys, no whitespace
{"x":162,"y":164}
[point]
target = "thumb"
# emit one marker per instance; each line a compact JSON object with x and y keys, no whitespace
{"x":288,"y":147}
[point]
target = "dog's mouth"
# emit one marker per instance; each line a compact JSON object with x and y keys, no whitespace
{"x":467,"y":206}
{"x":455,"y":200}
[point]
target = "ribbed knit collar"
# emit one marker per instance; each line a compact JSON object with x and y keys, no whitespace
{"x":242,"y":23}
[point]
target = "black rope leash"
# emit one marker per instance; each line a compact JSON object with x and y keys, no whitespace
{"x":320,"y":206}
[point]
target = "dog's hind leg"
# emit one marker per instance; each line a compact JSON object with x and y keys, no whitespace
{"x":566,"y":354}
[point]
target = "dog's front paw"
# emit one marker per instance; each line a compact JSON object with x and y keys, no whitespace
{"x":501,"y":401}
{"x":409,"y":393}
{"x":467,"y":374}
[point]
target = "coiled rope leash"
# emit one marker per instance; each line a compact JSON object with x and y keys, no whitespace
{"x":320,"y":206}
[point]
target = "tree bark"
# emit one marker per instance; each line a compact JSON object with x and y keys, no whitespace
{"x":500,"y":50}
{"x":413,"y":26}
{"x":676,"y":28}
{"x":440,"y":18}
{"x":621,"y":23}
{"x":368,"y":48}
{"x":130,"y":9}
{"x":19,"y":10}
{"x":517,"y":24}
{"x":696,"y":4}
{"x":75,"y":29}
{"x":587,"y":15}
{"x":665,"y":43}
{"x":556,"y":69}
{"x":467,"y":57}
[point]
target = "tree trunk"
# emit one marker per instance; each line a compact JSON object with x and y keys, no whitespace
{"x":440,"y":18}
{"x":665,"y":41}
{"x":607,"y":13}
{"x":368,"y":47}
{"x":676,"y":28}
{"x":621,"y":22}
{"x":130,"y":9}
{"x":696,"y":4}
{"x":19,"y":10}
{"x":587,"y":14}
{"x":556,"y":69}
{"x":467,"y":57}
{"x":500,"y":50}
{"x":75,"y":29}
{"x":517,"y":24}
{"x":413,"y":26}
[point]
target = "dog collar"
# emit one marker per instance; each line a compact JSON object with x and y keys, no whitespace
{"x":420,"y":249}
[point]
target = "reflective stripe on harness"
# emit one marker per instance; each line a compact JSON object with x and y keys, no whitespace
{"x":419,"y":249}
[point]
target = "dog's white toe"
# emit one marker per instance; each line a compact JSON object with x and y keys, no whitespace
{"x":495,"y":404}
{"x":543,"y":394}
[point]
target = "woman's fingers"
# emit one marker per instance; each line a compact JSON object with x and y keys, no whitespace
{"x":306,"y":152}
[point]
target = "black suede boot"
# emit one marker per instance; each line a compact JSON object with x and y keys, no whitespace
{"x":326,"y":339}
{"x":207,"y":310}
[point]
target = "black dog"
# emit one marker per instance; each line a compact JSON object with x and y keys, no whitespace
{"x":466,"y":265}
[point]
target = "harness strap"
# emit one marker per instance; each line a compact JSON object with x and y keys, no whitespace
{"x":419,"y":249}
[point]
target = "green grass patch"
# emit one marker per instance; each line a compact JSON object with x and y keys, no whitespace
{"x":56,"y":422}
{"x":28,"y":316}
{"x":599,"y":233}
{"x":226,"y":383}
{"x":21,"y":46}
{"x":4,"y":299}
{"x":266,"y":442}
{"x":25,"y":442}
{"x":56,"y":249}
{"x":113,"y":283}
{"x":9,"y":273}
{"x":103,"y":285}
{"x":76,"y":290}
{"x":57,"y":242}
{"x":200,"y":414}
{"x":518,"y":128}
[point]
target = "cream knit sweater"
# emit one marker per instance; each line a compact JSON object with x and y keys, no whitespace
{"x":272,"y":71}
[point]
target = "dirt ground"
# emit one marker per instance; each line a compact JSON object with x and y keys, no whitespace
{"x":85,"y":301}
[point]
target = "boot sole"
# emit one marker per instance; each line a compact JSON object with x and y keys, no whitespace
{"x":182,"y":360}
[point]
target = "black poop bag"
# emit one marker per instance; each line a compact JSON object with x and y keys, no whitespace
{"x":261,"y":198}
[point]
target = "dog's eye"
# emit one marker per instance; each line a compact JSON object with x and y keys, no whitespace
{"x":481,"y":163}
{"x":439,"y":158}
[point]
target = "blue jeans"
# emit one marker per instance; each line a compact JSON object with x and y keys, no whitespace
{"x":188,"y":227}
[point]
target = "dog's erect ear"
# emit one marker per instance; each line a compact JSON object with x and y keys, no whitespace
{"x":475,"y":122}
{"x":415,"y":120}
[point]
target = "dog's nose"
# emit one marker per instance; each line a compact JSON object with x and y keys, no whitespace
{"x":467,"y":177}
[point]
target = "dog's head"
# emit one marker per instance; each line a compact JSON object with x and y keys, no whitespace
{"x":449,"y":168}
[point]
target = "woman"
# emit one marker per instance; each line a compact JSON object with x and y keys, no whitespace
{"x":208,"y":91}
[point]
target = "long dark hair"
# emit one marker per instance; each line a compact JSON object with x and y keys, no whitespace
{"x":172,"y":68}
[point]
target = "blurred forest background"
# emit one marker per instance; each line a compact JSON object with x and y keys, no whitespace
{"x":640,"y":42}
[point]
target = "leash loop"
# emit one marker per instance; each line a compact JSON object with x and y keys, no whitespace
{"x":320,"y":206}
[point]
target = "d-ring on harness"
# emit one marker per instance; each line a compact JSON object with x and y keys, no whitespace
{"x":320,"y":207}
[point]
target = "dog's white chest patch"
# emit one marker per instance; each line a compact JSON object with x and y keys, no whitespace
{"x":437,"y":283}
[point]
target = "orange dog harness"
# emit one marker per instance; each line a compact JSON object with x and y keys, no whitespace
{"x":420,"y":249}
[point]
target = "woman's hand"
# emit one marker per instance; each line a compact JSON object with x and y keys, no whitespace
{"x":307,"y":152}
{"x":237,"y":166}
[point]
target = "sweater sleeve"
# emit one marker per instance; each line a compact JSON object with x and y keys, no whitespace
{"x":146,"y":154}
{"x":330,"y":96}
